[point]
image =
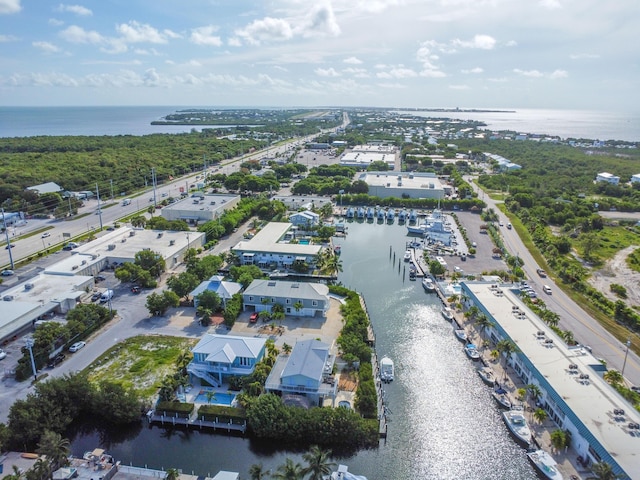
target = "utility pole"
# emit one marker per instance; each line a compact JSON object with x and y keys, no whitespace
{"x":99,"y":209}
{"x":153,"y":182}
{"x":626,"y":353}
{"x":6,"y":233}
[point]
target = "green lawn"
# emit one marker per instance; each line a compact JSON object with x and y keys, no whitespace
{"x":140,"y":362}
{"x":612,"y":239}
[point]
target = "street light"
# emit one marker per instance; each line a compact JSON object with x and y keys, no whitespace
{"x":624,"y":364}
{"x":29,"y":345}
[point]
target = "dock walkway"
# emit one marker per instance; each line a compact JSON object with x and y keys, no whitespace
{"x":194,"y":422}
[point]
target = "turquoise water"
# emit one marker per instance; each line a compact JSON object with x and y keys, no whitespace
{"x":219,"y":399}
{"x":303,"y":242}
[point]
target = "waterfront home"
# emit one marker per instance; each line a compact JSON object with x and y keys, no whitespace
{"x":271,"y":248}
{"x":305,"y":219}
{"x":297,"y":298}
{"x":216,"y":283}
{"x":216,"y":357}
{"x":306,"y":373}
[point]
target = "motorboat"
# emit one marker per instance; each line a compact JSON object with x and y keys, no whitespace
{"x":460,"y":334}
{"x":517,"y":425}
{"x":413,"y":216}
{"x":337,"y":249}
{"x":390,"y":215}
{"x":502,"y":397}
{"x":545,"y":464}
{"x":472,"y":352}
{"x":407,"y":256}
{"x":429,"y":285}
{"x":351,"y":212}
{"x":487,"y":376}
{"x":361,"y":212}
{"x":371,"y":213}
{"x":447,"y":313}
{"x":412,"y":274}
{"x":380,"y":215}
{"x":387,"y":372}
{"x":342,"y":473}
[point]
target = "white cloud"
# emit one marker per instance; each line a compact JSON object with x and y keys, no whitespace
{"x":55,"y":22}
{"x":77,"y":9}
{"x":397,"y":72}
{"x":528,"y":73}
{"x":135,"y":32}
{"x":234,"y":42}
{"x":321,"y":21}
{"x":46,"y":47}
{"x":472,"y":70}
{"x":432,"y":73}
{"x":265,"y":30}
{"x":582,"y":56}
{"x":484,"y":42}
{"x":326,"y":72}
{"x":8,"y":38}
{"x":558,"y":74}
{"x":357,"y":72}
{"x":9,"y":6}
{"x":147,"y":51}
{"x":76,"y":34}
{"x":511,"y":43}
{"x":204,"y":36}
{"x":352,"y":61}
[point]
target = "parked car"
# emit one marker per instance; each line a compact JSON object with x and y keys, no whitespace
{"x":253,"y":318}
{"x":76,"y":346}
{"x":3,"y":354}
{"x":96,"y":296}
{"x":135,"y":289}
{"x":57,"y":360}
{"x":10,"y":245}
{"x":7,"y":273}
{"x":100,"y":278}
{"x":106,"y":296}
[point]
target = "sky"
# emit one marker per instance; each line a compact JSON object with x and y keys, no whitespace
{"x":564,"y":54}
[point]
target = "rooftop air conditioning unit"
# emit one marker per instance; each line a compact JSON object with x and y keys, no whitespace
{"x":123,"y":240}
{"x":132,"y":233}
{"x":159,"y":234}
{"x":84,"y":262}
{"x":172,"y":242}
{"x":75,"y":267}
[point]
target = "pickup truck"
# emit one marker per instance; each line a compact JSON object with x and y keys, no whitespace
{"x":541,"y":272}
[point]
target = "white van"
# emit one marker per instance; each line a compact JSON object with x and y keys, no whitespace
{"x":126,"y":201}
{"x":106,"y":296}
{"x":547,"y":289}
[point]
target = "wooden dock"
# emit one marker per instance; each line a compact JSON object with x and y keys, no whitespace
{"x":194,"y":422}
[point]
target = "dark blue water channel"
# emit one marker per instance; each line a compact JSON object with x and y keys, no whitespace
{"x":443,"y":421}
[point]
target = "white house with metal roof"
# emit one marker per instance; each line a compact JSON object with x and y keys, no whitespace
{"x":307,"y":371}
{"x":305,"y":219}
{"x":271,"y":248}
{"x":217,"y":284}
{"x":607,"y":177}
{"x":217,"y":357}
{"x":312,"y":299}
{"x":574,"y":393}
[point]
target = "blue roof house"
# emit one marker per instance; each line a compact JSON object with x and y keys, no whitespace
{"x":303,"y":219}
{"x":225,"y":290}
{"x":216,"y":357}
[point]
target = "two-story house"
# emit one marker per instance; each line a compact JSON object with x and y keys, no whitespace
{"x":216,"y":357}
{"x":297,"y":298}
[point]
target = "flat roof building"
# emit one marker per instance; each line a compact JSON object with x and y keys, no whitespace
{"x":607,"y":177}
{"x":574,"y":393}
{"x":361,"y":156}
{"x":201,"y":208}
{"x":49,"y":187}
{"x":399,"y":184}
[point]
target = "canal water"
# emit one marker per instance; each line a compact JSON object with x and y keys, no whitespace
{"x":443,"y":422}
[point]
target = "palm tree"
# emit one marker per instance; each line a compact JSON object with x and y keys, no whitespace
{"x":211,"y":395}
{"x":289,"y":471}
{"x":534,"y":392}
{"x":472,"y":312}
{"x":506,"y":347}
{"x":558,"y":439}
{"x":16,"y":475}
{"x":483,"y":322}
{"x":540,"y":415}
{"x":286,"y":348}
{"x":257,"y":471}
{"x":41,"y":469}
{"x":567,"y":336}
{"x":172,"y":474}
{"x":55,"y":448}
{"x":298,"y":306}
{"x":318,"y":464}
{"x":604,"y":471}
{"x":614,"y":377}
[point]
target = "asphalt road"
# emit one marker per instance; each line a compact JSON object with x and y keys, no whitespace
{"x":585,"y":328}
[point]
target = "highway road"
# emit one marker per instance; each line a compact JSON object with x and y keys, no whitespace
{"x":585,"y":328}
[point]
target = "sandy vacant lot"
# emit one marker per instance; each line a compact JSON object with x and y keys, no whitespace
{"x":617,"y":271}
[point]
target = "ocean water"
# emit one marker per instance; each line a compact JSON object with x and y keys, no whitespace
{"x":31,"y":121}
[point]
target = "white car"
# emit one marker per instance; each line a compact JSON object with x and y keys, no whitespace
{"x":3,"y":354}
{"x":76,"y":346}
{"x":46,"y":234}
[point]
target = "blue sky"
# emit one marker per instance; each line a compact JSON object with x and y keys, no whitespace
{"x":579,"y":54}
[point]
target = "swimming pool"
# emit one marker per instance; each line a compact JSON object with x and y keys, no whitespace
{"x":219,"y":398}
{"x":303,"y":242}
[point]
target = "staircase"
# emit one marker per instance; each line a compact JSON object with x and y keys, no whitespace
{"x":203,"y":374}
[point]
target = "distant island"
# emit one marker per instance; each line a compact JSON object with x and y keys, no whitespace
{"x":453,"y":110}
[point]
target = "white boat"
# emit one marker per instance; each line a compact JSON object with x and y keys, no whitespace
{"x":545,"y":464}
{"x":428,"y":285}
{"x":502,"y":397}
{"x":342,"y":473}
{"x":447,"y":313}
{"x":517,"y":425}
{"x":472,"y":352}
{"x":487,"y":376}
{"x":387,"y":372}
{"x":407,"y":256}
{"x":460,"y":334}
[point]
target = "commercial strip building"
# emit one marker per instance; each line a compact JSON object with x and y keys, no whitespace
{"x":271,"y":248}
{"x":405,"y":185}
{"x":361,"y":156}
{"x":200,"y":208}
{"x":574,"y":393}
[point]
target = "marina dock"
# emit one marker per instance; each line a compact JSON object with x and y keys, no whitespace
{"x":193,"y":421}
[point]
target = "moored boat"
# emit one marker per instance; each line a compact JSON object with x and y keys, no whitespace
{"x":387,"y":371}
{"x":428,"y":285}
{"x":487,"y":376}
{"x":472,"y":352}
{"x":407,"y":256}
{"x":342,"y":473}
{"x":544,"y":464}
{"x":447,"y":313}
{"x":517,"y":425}
{"x":460,"y":334}
{"x":502,"y":397}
